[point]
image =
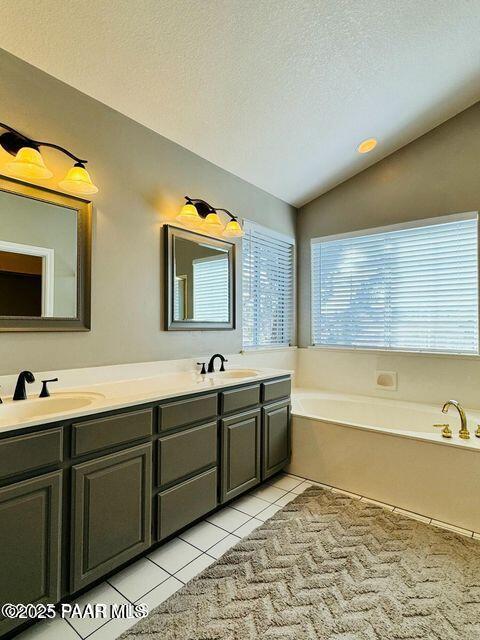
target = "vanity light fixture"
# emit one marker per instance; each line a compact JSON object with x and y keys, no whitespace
{"x":28,"y":163}
{"x":198,"y":214}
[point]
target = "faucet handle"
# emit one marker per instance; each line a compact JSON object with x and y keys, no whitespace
{"x":446,"y":431}
{"x":44,"y":393}
{"x":440,"y":426}
{"x":477,"y":432}
{"x":203,"y":371}
{"x":222,"y":367}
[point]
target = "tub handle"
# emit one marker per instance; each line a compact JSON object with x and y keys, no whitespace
{"x":477,"y":432}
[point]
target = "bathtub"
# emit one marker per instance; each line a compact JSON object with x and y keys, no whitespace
{"x":389,"y":450}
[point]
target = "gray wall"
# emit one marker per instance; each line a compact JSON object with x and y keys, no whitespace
{"x":142,"y":179}
{"x":437,"y":174}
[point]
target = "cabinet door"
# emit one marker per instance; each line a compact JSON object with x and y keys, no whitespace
{"x":30,"y":541}
{"x":276,"y":438}
{"x":240,"y":453}
{"x":111,"y":513}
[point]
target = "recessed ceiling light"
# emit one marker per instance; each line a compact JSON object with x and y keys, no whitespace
{"x":367,"y":145}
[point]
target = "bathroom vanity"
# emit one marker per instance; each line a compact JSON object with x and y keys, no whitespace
{"x":81,"y":496}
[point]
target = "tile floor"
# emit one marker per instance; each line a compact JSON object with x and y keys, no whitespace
{"x":155,"y":577}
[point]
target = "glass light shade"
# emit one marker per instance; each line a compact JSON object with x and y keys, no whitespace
{"x":213,"y":222}
{"x":233,"y":229}
{"x":189,"y":216}
{"x":28,"y":164}
{"x":78,"y":181}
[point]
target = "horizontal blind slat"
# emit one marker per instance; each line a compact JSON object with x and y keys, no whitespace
{"x":268,"y":288}
{"x":411,"y":288}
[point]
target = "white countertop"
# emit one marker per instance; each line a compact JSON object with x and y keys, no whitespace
{"x":76,"y":402}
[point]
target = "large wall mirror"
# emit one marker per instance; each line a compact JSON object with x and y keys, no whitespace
{"x":200,"y":288}
{"x":45,"y":241}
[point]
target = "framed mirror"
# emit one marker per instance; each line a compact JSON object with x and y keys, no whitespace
{"x":200,"y":286}
{"x":45,"y":254}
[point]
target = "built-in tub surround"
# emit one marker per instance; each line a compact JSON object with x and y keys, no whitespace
{"x":389,"y":451}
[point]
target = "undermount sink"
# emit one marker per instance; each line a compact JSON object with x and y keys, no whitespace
{"x":237,"y":373}
{"x":38,"y":407}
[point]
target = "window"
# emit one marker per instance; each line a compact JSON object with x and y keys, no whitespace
{"x":407,"y":287}
{"x":268,"y":288}
{"x":210,"y":286}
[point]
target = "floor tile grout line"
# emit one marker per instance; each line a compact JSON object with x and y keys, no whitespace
{"x":163,"y":568}
{"x":118,"y":590}
{"x":70,"y":625}
{"x":223,"y":528}
{"x":106,"y":621}
{"x":158,"y":585}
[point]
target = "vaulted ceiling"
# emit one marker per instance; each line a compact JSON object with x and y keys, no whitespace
{"x":279,"y":92}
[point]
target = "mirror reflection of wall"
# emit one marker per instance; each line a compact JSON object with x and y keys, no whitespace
{"x":201,"y":282}
{"x":38,"y":258}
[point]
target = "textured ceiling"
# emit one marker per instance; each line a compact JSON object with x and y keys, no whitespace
{"x":279,"y":92}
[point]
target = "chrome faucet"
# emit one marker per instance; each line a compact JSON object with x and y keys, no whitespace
{"x":211,"y":364}
{"x":464,"y":432}
{"x":20,"y":392}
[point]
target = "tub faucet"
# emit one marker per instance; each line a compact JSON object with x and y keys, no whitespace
{"x":464,"y":432}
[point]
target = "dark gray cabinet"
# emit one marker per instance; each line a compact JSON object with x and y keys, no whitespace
{"x":187,"y":452}
{"x":30,"y":452}
{"x":168,"y":463}
{"x":185,"y":502}
{"x":276,"y":437}
{"x":30,"y":541}
{"x":111,"y":512}
{"x":241,"y":442}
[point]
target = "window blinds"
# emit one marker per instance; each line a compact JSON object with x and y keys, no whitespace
{"x":268,"y":291}
{"x":413,"y":289}
{"x":210,"y":289}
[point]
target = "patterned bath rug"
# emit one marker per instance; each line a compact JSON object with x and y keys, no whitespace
{"x":330,"y":567}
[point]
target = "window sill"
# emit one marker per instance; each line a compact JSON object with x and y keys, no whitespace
{"x":394,"y":352}
{"x":248,"y":350}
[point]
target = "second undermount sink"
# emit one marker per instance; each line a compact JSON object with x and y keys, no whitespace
{"x":237,"y":373}
{"x":39,"y":407}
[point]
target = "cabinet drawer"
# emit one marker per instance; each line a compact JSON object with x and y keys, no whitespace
{"x":186,"y":502}
{"x":29,"y":452}
{"x":184,"y":412}
{"x":276,"y":389}
{"x":239,"y":399}
{"x":103,"y":433}
{"x":186,"y":452}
